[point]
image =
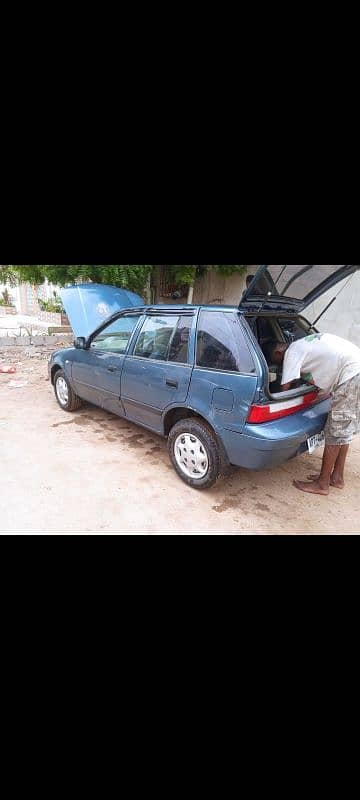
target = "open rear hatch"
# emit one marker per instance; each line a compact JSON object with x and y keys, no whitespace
{"x":292,"y":287}
{"x":276,"y":291}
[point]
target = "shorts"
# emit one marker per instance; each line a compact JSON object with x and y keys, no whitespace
{"x":344,"y":418}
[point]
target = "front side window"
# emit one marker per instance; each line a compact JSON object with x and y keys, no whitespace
{"x":221,"y":344}
{"x":155,"y":338}
{"x":115,"y":338}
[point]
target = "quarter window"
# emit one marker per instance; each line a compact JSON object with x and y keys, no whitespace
{"x":221,"y":344}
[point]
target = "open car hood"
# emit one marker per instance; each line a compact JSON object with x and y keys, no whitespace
{"x":88,"y":305}
{"x":293,"y":286}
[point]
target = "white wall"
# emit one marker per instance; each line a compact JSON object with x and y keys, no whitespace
{"x":13,"y":292}
{"x":343,"y":317}
{"x":45,"y":292}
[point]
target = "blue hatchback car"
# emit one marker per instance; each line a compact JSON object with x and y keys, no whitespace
{"x":197,"y":374}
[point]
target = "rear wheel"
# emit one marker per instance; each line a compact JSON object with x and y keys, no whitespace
{"x":67,"y":399}
{"x":195,"y":453}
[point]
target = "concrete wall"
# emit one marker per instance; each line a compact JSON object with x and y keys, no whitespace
{"x":37,"y":343}
{"x":343,"y":317}
{"x":216,"y":289}
{"x":210,"y":288}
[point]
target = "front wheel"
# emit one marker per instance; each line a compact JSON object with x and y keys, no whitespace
{"x":195,"y":453}
{"x":67,"y":399}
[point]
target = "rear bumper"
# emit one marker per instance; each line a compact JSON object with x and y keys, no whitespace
{"x":273,"y":443}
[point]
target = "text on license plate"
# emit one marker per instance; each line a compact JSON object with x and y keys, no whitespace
{"x":315,"y":441}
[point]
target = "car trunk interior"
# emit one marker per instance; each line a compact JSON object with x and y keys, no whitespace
{"x":267,"y":327}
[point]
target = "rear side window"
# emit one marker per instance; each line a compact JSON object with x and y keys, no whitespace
{"x":221,"y":344}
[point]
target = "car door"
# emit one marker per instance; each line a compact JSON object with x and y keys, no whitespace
{"x":157,"y":373}
{"x":96,"y":372}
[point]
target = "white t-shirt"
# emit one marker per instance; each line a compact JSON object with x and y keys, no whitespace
{"x":322,"y":359}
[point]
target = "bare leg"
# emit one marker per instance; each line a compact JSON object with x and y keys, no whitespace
{"x":338,"y":473}
{"x":322,"y":484}
{"x":337,"y":478}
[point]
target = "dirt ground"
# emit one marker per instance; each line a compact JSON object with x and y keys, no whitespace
{"x":92,"y":472}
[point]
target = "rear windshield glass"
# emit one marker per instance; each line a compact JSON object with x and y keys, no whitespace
{"x":297,"y":280}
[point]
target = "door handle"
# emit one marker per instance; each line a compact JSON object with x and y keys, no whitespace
{"x":112,"y":369}
{"x":172,"y":384}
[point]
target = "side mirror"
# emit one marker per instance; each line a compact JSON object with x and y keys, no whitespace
{"x":80,"y":343}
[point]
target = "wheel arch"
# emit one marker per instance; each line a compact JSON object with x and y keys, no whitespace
{"x":54,"y":369}
{"x":179,"y":413}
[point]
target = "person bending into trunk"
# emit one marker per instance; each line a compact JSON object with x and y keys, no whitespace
{"x":333,"y":365}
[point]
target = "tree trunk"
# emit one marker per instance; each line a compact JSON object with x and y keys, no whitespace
{"x":147,"y":291}
{"x":191,"y":287}
{"x":190,"y":294}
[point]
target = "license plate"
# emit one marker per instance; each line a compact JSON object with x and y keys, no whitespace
{"x":315,"y":441}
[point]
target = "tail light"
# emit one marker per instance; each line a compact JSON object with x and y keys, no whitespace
{"x":272,"y":411}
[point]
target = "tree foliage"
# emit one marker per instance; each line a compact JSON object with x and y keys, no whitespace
{"x":187,"y":273}
{"x":130,"y":276}
{"x":8,"y":275}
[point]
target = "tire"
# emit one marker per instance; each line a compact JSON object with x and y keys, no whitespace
{"x":67,"y":399}
{"x":188,"y":438}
